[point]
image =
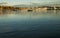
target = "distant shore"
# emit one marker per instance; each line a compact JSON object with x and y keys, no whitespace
{"x":12,"y":8}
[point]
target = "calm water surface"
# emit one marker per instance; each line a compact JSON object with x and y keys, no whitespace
{"x":17,"y":24}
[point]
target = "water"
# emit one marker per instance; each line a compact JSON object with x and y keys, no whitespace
{"x":17,"y":24}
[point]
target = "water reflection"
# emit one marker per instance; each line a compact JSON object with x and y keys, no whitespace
{"x":29,"y":14}
{"x":22,"y":24}
{"x":24,"y":12}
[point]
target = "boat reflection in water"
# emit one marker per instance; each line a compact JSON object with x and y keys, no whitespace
{"x":21,"y":24}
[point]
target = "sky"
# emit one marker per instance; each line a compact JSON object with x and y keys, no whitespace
{"x":15,"y":2}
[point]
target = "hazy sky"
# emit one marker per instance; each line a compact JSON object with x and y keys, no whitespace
{"x":15,"y":2}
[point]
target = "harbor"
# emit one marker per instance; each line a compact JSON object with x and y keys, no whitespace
{"x":29,"y":18}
